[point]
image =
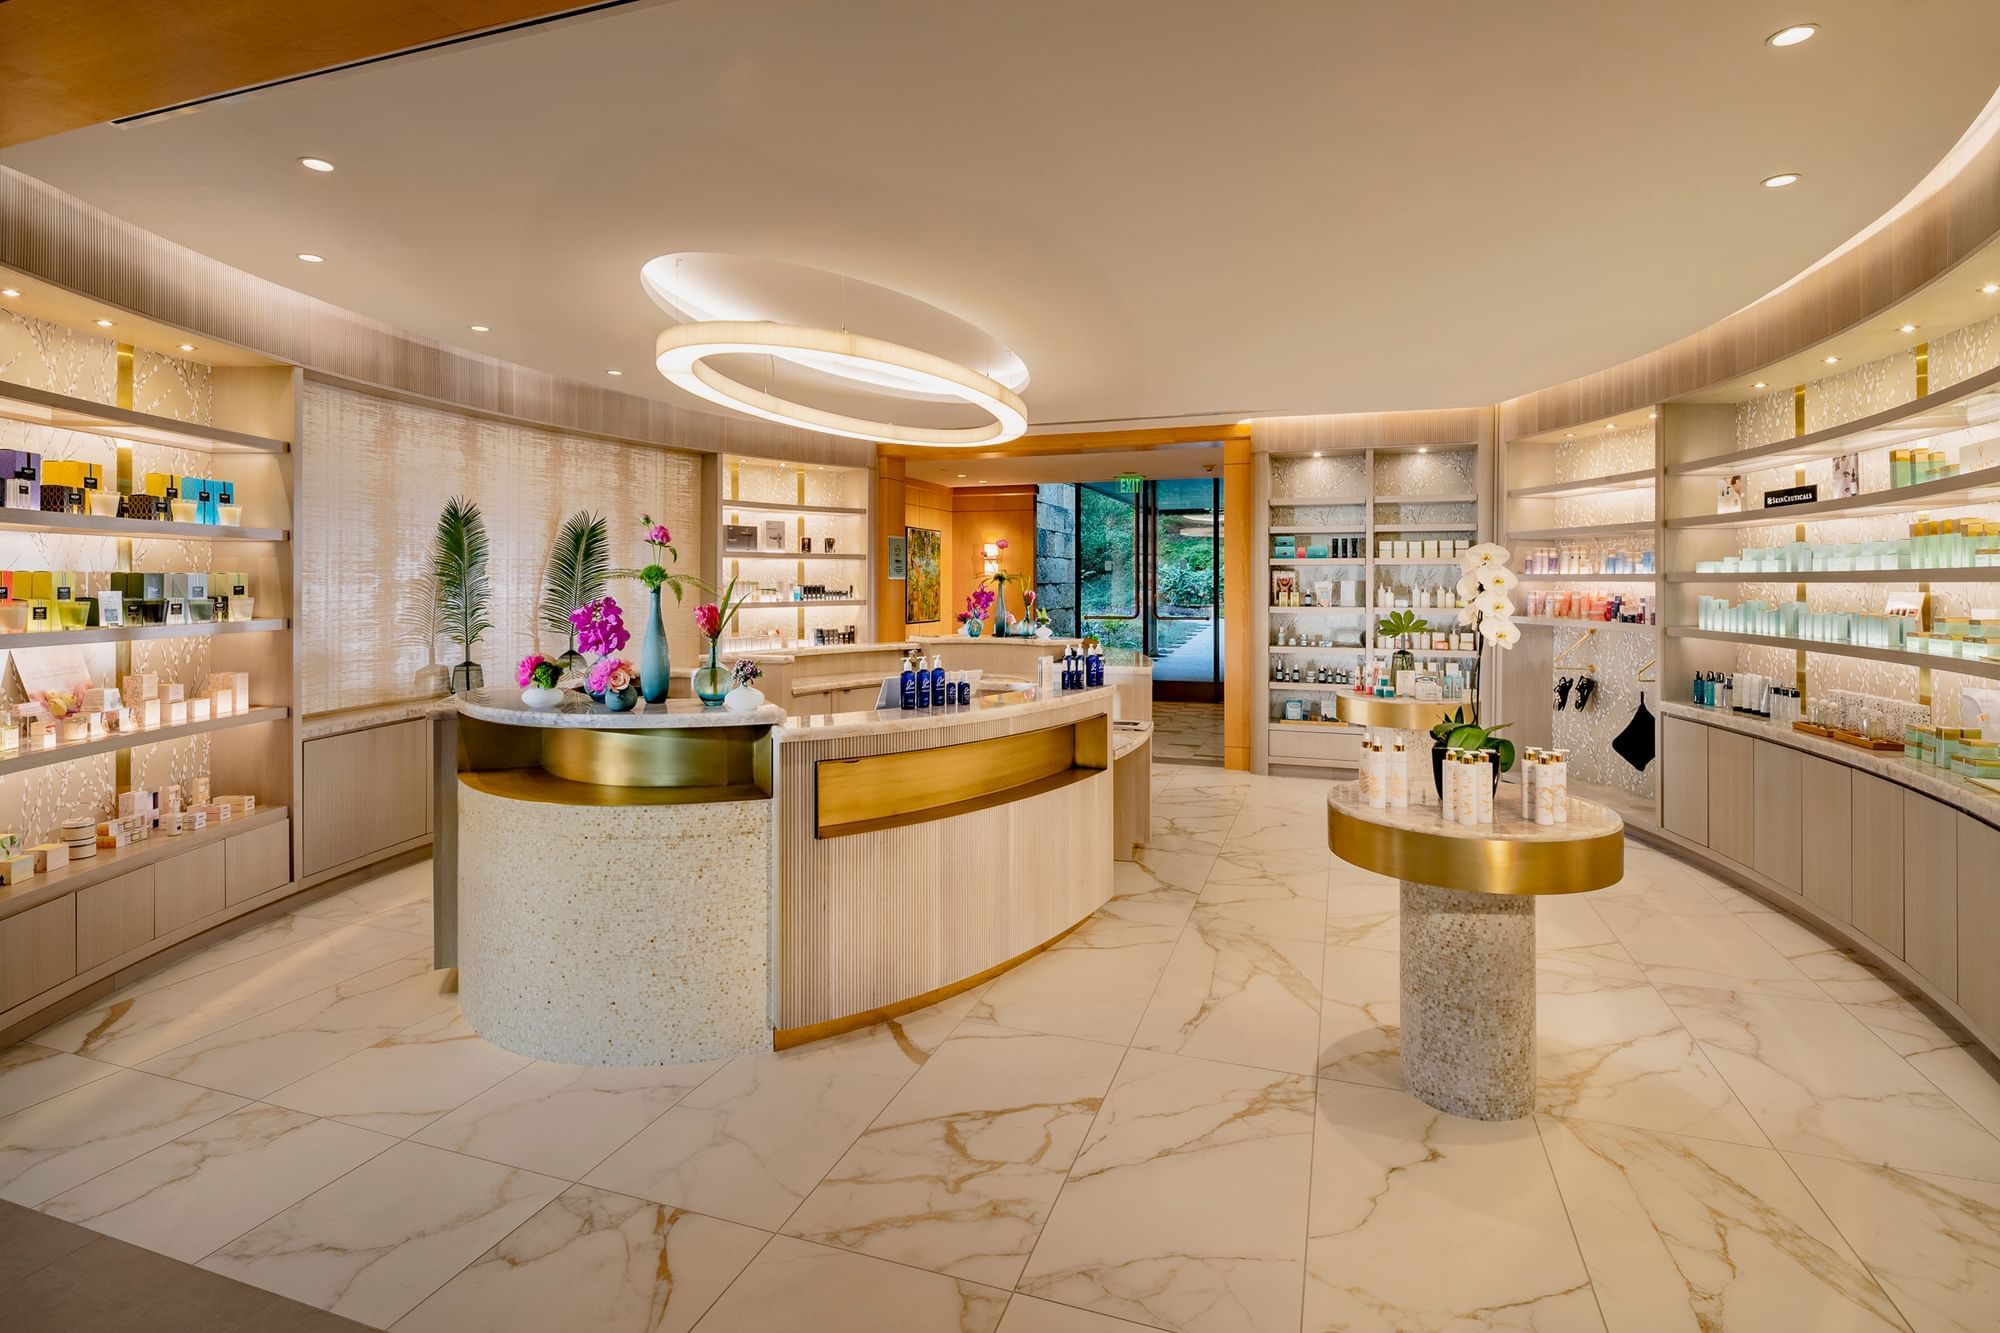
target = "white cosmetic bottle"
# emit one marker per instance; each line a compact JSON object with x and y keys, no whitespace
{"x":1545,"y":790}
{"x":1399,"y":778}
{"x":1448,"y":786}
{"x":1561,"y":801}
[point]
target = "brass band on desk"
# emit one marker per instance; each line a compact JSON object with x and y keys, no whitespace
{"x":1510,"y":856}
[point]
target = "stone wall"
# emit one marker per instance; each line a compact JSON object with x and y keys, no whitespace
{"x":1055,"y":554}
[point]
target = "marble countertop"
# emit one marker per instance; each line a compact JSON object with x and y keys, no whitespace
{"x":1129,"y":736}
{"x":1929,"y":779}
{"x":886,"y":721}
{"x":777,"y":656}
{"x":576,"y":710}
{"x":315,"y":726}
{"x":1587,"y":819}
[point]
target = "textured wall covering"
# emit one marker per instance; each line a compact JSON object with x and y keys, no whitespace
{"x":373,"y":474}
{"x":1963,"y":353}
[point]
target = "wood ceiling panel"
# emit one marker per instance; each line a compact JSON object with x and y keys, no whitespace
{"x":66,"y":65}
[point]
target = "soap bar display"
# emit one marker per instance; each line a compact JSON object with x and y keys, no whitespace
{"x":35,"y":601}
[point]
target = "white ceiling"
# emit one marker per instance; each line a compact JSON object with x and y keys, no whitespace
{"x":1168,"y":208}
{"x":1159,"y":464}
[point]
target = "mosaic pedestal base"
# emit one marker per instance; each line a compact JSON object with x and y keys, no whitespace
{"x":1468,"y":990}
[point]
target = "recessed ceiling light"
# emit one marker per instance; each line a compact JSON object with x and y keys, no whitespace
{"x":1652,"y":416}
{"x":187,"y":347}
{"x":1422,"y":449}
{"x":315,"y":164}
{"x":961,"y":476}
{"x":1990,"y":288}
{"x":1906,"y":328}
{"x":1792,"y":36}
{"x":1316,"y":453}
{"x":102,"y":323}
{"x":1781,"y":180}
{"x":1569,"y":435}
{"x":9,"y":292}
{"x":1760,"y":385}
{"x":313,"y":259}
{"x":1611,"y":425}
{"x":481,"y":328}
{"x":1831,"y":360}
{"x":614,"y":372}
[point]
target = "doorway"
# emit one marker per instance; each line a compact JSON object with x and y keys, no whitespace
{"x":1144,"y":571}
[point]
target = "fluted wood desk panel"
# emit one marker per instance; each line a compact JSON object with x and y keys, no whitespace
{"x":872,"y":921}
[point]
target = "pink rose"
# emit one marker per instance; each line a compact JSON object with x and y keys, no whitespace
{"x":1002,"y":543}
{"x":708,"y":619}
{"x":659,"y":536}
{"x":619,"y":678}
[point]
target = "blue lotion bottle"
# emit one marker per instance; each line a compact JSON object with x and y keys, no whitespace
{"x":939,"y":695}
{"x":909,"y":684}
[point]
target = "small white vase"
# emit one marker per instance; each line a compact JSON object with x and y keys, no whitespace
{"x":743,"y":699}
{"x":1044,"y":632}
{"x":541,"y":700}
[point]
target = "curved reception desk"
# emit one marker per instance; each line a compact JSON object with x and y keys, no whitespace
{"x":679,"y":884}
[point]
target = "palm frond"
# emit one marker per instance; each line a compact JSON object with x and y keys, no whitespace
{"x":419,"y":618}
{"x":459,"y":565}
{"x":579,"y":570}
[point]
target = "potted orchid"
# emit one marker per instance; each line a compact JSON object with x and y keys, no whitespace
{"x":976,"y":607}
{"x":654,"y":671}
{"x":744,"y":696}
{"x":712,"y":682}
{"x":1489,"y":612}
{"x":540,"y":681}
{"x":618,"y":681}
{"x":600,"y":632}
{"x":1037,"y":616}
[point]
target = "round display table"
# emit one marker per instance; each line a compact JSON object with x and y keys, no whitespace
{"x":1406,"y":720}
{"x":1468,"y":933}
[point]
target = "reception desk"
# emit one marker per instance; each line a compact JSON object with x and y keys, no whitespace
{"x":680,"y":884}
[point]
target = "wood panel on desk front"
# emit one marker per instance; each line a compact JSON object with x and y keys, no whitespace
{"x":874,"y":919}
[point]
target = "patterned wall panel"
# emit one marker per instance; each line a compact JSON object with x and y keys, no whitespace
{"x":1587,"y":734}
{"x":1963,"y":353}
{"x":374,"y":474}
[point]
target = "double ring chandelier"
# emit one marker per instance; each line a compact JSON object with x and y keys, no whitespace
{"x":683,"y":352}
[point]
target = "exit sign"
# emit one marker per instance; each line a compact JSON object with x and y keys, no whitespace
{"x":1130,"y":481}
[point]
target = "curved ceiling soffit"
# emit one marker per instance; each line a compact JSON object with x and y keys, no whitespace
{"x":1950,"y":215}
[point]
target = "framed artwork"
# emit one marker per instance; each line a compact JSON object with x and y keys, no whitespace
{"x":896,"y":557}
{"x":921,"y":589}
{"x":739,"y":536}
{"x":774,"y":534}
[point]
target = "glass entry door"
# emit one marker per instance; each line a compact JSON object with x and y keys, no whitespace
{"x":1149,"y":576}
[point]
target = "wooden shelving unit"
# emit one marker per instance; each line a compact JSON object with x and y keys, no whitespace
{"x":811,"y":500}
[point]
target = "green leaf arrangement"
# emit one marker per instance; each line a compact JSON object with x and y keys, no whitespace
{"x":1400,"y":623}
{"x":1456,"y":733}
{"x":578,"y":572}
{"x":422,"y":619}
{"x":458,"y":562}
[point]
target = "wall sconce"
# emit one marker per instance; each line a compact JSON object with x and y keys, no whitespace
{"x":991,"y":551}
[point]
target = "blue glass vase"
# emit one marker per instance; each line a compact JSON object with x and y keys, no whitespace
{"x":654,"y":673}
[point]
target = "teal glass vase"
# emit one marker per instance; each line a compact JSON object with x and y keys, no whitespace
{"x":654,"y":672}
{"x":711,"y":682}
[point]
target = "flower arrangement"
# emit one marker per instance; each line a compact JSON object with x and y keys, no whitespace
{"x":977,"y":605}
{"x":654,"y":574}
{"x":746,"y":673}
{"x":1036,"y":615}
{"x":600,"y":627}
{"x":1483,"y":583}
{"x":712,"y":618}
{"x":537,"y":673}
{"x":612,"y":675}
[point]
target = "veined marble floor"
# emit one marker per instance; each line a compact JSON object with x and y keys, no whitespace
{"x":1186,"y":1116}
{"x":1187,"y":733}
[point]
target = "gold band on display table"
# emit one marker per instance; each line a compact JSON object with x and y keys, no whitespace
{"x":1511,"y":866}
{"x":589,"y":766}
{"x":1403,"y":714}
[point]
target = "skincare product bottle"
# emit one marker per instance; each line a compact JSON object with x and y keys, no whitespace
{"x":1399,"y":778}
{"x":1448,"y":793}
{"x":1468,"y":789}
{"x":938,"y":695}
{"x":1533,"y":753}
{"x":1561,"y":801}
{"x":909,"y":683}
{"x":1378,"y":777}
{"x":923,"y":684}
{"x":1545,"y":790}
{"x":1097,"y":664}
{"x":1482,"y":786}
{"x":964,"y":687}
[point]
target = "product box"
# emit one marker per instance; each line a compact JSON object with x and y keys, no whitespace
{"x":176,"y":713}
{"x":199,"y":710}
{"x":173,"y":691}
{"x":49,"y":856}
{"x":140,"y":686}
{"x":221,"y":702}
{"x":15,"y":868}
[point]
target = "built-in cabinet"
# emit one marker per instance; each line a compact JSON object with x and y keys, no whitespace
{"x":1913,"y":875}
{"x":364,"y":793}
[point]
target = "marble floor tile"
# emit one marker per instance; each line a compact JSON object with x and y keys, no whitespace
{"x":257,"y":1056}
{"x":1093,"y":985}
{"x":1840,"y":974}
{"x":377,"y":1241}
{"x":1027,"y":1314}
{"x":1568,"y":921}
{"x":402,"y":1083}
{"x":1394,"y":1184}
{"x":1164,"y":881}
{"x":1186,"y":1206}
{"x":210,"y":1185}
{"x":415,"y":919}
{"x":562,"y":1120}
{"x":408,"y":884}
{"x":30,"y":1073}
{"x":1189,"y":826}
{"x":958,"y":1173}
{"x":1932,"y":1241}
{"x":1228,"y":994}
{"x":1818,"y":1081}
{"x":1686,"y":1233}
{"x":1136,"y":920}
{"x":1366,"y":916}
{"x":749,"y":1144}
{"x":1270,"y":892}
{"x":794,"y":1286}
{"x":1608,"y":1048}
{"x":130,"y":1029}
{"x":277,"y":933}
{"x":62,"y":1141}
{"x":1360,"y":1031}
{"x":597,"y":1261}
{"x":1702,"y":945}
{"x":1278,"y":828}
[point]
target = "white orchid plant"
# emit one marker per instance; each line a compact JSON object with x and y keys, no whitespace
{"x":1483,"y":583}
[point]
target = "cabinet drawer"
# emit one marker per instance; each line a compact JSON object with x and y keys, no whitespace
{"x":257,"y":862}
{"x":1930,"y":890}
{"x":113,"y":918}
{"x":187,"y":888}
{"x":1979,"y":922}
{"x":1684,"y":784}
{"x":1339,"y":745}
{"x":1877,"y":812}
{"x":364,"y":791}
{"x":37,"y":950}
{"x":1731,"y":799}
{"x":1775,"y":820}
